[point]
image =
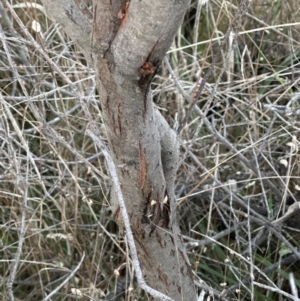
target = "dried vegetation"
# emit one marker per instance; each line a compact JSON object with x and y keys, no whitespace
{"x":238,"y":185}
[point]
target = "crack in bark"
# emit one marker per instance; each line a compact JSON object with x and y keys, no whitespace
{"x":143,"y":169}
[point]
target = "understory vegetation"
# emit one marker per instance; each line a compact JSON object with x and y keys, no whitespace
{"x":237,"y":187}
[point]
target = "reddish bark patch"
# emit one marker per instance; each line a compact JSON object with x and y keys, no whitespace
{"x":123,"y":15}
{"x":119,"y":219}
{"x":147,"y":68}
{"x":143,"y":169}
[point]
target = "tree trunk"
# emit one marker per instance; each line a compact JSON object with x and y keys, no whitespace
{"x":125,"y":42}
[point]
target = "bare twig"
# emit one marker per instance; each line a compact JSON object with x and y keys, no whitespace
{"x":72,"y":274}
{"x":239,"y":154}
{"x":22,"y":186}
{"x":285,"y":261}
{"x":198,"y":244}
{"x":286,"y":110}
{"x":202,"y":81}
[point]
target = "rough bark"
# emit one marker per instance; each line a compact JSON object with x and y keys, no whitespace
{"x":128,"y":43}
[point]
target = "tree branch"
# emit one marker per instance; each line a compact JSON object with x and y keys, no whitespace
{"x":75,"y":23}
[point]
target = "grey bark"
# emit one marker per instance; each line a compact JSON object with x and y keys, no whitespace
{"x":125,"y":44}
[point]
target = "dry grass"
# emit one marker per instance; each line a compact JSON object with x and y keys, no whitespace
{"x":239,"y":169}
